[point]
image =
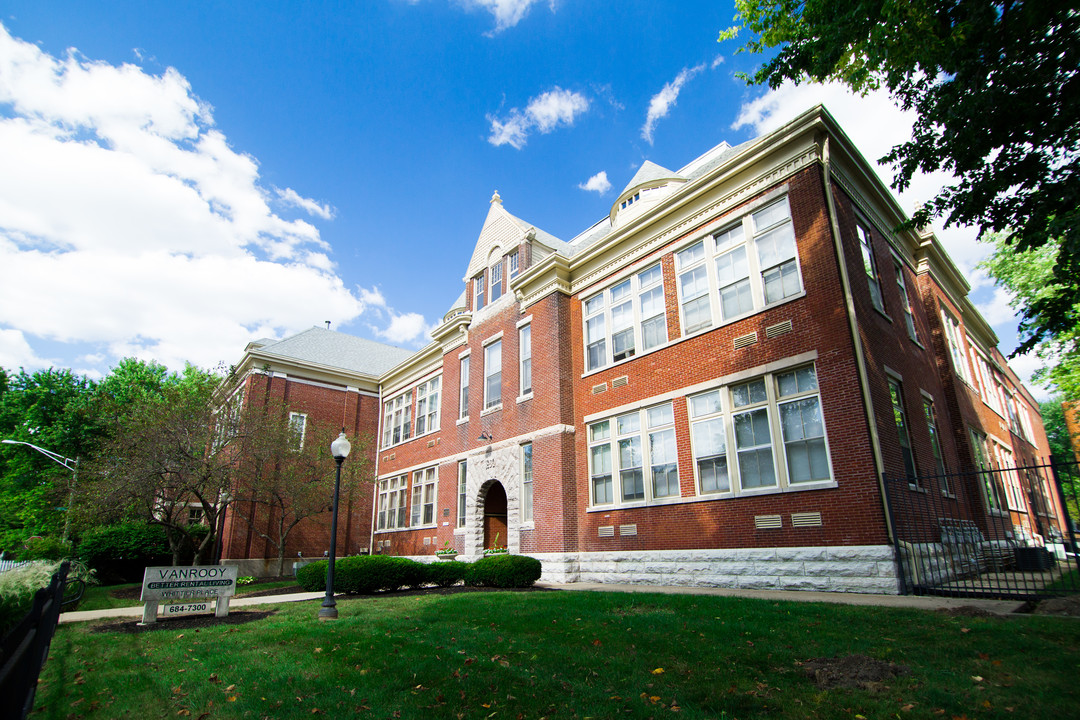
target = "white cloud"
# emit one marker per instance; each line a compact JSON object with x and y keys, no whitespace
{"x":129,"y":226}
{"x":661,"y":103}
{"x":598,"y":183}
{"x":405,"y":329}
{"x":291,"y":197}
{"x":507,"y":13}
{"x":717,"y":62}
{"x":544,"y":113}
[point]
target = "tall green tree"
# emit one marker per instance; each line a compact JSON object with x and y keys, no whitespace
{"x":995,"y":86}
{"x":1029,"y":278}
{"x":51,"y":409}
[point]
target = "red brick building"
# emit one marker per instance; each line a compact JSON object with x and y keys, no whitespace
{"x":705,"y":387}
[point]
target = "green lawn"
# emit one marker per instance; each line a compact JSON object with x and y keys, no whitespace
{"x":567,"y":655}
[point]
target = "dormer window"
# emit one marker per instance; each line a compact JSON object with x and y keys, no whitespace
{"x":497,"y":280}
{"x":630,"y":201}
{"x":478,"y":283}
{"x":513,"y":265}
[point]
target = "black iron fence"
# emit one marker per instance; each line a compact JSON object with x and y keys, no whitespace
{"x":996,"y":533}
{"x":24,"y":649}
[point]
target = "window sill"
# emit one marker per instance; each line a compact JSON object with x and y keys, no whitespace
{"x":462,"y":421}
{"x":881,"y":312}
{"x":948,"y":496}
{"x":492,"y":409}
{"x":523,"y":398}
{"x":916,"y":488}
{"x":527,"y":526}
{"x":802,"y":487}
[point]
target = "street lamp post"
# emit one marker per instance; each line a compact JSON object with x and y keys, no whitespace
{"x":340,"y":450}
{"x":72,"y":465}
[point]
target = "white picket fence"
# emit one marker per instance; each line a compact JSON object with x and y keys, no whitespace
{"x":6,"y":565}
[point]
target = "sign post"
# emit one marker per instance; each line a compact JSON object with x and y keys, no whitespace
{"x":185,"y":585}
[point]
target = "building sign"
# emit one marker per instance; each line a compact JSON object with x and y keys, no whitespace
{"x":179,"y":586}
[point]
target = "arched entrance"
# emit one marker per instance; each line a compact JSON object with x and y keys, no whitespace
{"x":495,"y":516}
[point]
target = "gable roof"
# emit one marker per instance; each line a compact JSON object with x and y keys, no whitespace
{"x":329,"y":348}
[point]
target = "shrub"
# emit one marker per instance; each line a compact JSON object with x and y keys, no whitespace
{"x":312,"y":577}
{"x":364,"y":574}
{"x":445,"y":574}
{"x":503,"y":571}
{"x":120,"y":552}
{"x":18,"y":586}
{"x":45,"y":548}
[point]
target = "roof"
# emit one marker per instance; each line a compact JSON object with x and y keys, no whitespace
{"x":650,"y":172}
{"x":327,"y":347}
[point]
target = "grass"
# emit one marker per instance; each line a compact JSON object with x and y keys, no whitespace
{"x":564,"y":655}
{"x":101,"y":598}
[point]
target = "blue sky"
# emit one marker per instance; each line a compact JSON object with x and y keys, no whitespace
{"x":185,"y":177}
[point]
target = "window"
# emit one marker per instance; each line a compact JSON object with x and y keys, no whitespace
{"x":461,"y":487}
{"x":753,"y":437}
{"x":983,"y":377}
{"x":625,"y":317}
{"x":642,"y":448}
{"x":905,"y":301}
{"x":525,"y":358}
{"x":866,"y":246}
{"x":935,"y":445}
{"x":496,"y":280}
{"x":740,"y":270}
{"x":427,"y":406}
{"x":478,"y":283}
{"x":630,"y":201}
{"x":423,"y":497}
{"x":527,"y":482}
{"x":297,"y":430}
{"x":709,"y":443}
{"x":463,"y":401}
{"x":392,"y":503}
{"x":896,"y":393}
{"x":513,"y":260}
{"x":1007,"y":469}
{"x":956,"y":350}
{"x":493,"y":374}
{"x":396,"y":419}
{"x":992,"y":493}
{"x":802,"y":426}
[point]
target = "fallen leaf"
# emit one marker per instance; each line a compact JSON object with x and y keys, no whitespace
{"x":907,"y":707}
{"x":658,"y":671}
{"x":230,"y":688}
{"x":183,"y":713}
{"x":977,"y":678}
{"x":231,"y":698}
{"x":964,"y":630}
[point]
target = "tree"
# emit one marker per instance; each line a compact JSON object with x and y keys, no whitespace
{"x":285,"y":478}
{"x":169,"y":458}
{"x":1029,"y":278}
{"x":51,"y":409}
{"x":996,"y":89}
{"x":1061,"y":453}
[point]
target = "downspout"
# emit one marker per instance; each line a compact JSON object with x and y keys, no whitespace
{"x":853,"y":325}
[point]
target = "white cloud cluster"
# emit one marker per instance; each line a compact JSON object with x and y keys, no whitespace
{"x":543,"y":114}
{"x":129,"y":226}
{"x":409,"y":329}
{"x":662,"y":102}
{"x":598,"y":183}
{"x":507,"y":13}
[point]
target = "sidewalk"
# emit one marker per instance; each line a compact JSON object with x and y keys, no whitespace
{"x":920,"y":602}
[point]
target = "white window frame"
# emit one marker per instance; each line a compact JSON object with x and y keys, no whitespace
{"x":527,"y":482}
{"x":631,"y":441}
{"x":953,"y":340}
{"x":991,"y":490}
{"x":423,"y":497}
{"x":525,"y":386}
{"x":397,"y":419}
{"x":462,"y":490}
{"x":514,"y":261}
{"x":297,"y":429}
{"x":463,"y":388}
{"x":870,"y":268}
{"x":905,"y":300}
{"x":478,"y":286}
{"x":930,"y":414}
{"x":493,"y":379}
{"x":497,"y":289}
{"x":392,"y":503}
{"x":1014,"y":494}
{"x":428,"y":404}
{"x":625,"y":303}
{"x":741,"y":246}
{"x":903,"y":430}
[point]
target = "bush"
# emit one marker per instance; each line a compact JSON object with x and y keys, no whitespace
{"x":503,"y":571}
{"x":19,"y":585}
{"x":46,"y":548}
{"x":364,"y":574}
{"x":121,"y":552}
{"x":445,"y":574}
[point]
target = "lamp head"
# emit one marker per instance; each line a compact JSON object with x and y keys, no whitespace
{"x":340,"y":447}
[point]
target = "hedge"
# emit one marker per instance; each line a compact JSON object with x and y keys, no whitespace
{"x":367,"y":574}
{"x":503,"y":571}
{"x":121,"y":552}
